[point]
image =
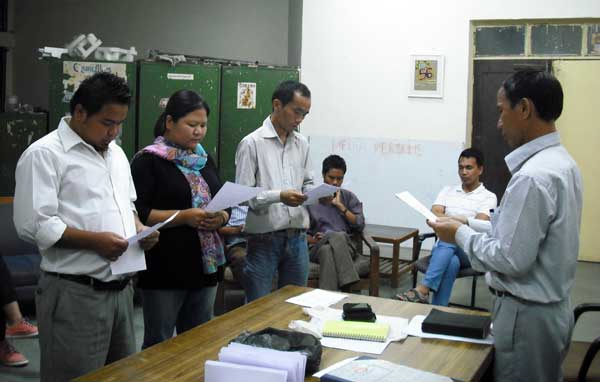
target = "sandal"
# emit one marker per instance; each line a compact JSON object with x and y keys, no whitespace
{"x":413,"y":295}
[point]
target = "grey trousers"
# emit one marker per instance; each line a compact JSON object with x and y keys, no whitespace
{"x":81,"y":329}
{"x":531,"y":340}
{"x":335,"y":255}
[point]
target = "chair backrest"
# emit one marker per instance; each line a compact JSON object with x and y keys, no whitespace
{"x":10,"y":244}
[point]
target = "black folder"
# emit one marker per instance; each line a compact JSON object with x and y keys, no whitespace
{"x":456,"y":324}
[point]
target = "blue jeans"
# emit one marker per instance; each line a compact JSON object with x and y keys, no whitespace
{"x":283,"y":253}
{"x":167,"y":309}
{"x":446,"y":260}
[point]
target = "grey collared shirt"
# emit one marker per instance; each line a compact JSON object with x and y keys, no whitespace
{"x":262,"y":160}
{"x":532,"y":246}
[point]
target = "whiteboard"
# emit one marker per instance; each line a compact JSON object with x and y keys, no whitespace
{"x":378,"y":168}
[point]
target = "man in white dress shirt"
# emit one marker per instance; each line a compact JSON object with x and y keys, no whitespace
{"x":470,"y":199}
{"x":74,"y":199}
{"x":530,"y":249}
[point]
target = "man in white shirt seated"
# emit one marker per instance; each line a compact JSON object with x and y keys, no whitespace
{"x":470,"y":199}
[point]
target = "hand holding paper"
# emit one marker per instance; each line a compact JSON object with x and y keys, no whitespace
{"x":134,"y":259}
{"x":319,"y":192}
{"x":407,"y":198}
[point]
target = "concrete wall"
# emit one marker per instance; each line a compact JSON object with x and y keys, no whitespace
{"x":254,"y":30}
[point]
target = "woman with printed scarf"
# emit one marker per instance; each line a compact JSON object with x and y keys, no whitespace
{"x":173,"y":174}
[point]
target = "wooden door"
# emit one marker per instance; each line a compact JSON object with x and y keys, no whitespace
{"x":580,"y":134}
{"x":489,"y":75}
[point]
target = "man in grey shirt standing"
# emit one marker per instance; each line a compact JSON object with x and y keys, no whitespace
{"x":275,"y":157}
{"x":530,"y":249}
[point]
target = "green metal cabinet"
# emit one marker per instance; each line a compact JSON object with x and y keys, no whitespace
{"x":17,"y":132}
{"x":65,"y":76}
{"x":158,"y":81}
{"x":237,"y":122}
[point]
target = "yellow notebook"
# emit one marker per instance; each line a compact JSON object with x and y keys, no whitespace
{"x":356,"y":330}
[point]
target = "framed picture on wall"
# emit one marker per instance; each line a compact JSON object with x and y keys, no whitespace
{"x":426,"y":76}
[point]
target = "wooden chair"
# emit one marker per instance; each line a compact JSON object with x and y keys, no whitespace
{"x":422,"y":264}
{"x":368,"y":266}
{"x":579,"y":365}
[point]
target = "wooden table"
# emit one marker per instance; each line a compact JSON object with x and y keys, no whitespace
{"x":181,"y":359}
{"x":395,"y":235}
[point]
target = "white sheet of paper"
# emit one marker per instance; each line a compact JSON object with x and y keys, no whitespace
{"x":319,"y":192}
{"x":140,"y":235}
{"x":215,"y":371}
{"x":231,"y":194}
{"x":414,"y":329}
{"x":132,"y":260}
{"x":407,"y":198}
{"x":291,"y":362}
{"x":336,"y":365}
{"x":317,"y":297}
{"x":371,"y":370}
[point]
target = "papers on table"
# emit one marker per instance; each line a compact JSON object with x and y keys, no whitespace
{"x":321,"y":314}
{"x":231,"y":194}
{"x":407,"y":198}
{"x":366,"y":369}
{"x":292,"y":363}
{"x":414,"y":329}
{"x":316,"y":297}
{"x":133,"y":259}
{"x":215,"y":371}
{"x":319,"y":192}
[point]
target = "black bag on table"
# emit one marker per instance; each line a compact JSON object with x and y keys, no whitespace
{"x":286,"y":340}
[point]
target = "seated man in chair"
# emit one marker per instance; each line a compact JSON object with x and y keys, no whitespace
{"x":332,"y":220}
{"x":467,"y":200}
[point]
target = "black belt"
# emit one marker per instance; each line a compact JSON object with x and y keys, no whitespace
{"x":501,"y":293}
{"x":116,"y":285}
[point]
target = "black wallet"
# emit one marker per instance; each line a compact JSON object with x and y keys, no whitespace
{"x":456,"y":324}
{"x":358,"y":312}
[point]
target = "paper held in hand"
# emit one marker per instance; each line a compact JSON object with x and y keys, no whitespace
{"x":321,"y":191}
{"x":407,"y":198}
{"x":231,"y":194}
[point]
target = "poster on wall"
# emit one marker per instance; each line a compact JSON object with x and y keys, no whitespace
{"x":74,"y":72}
{"x":426,"y":76}
{"x":246,"y":95}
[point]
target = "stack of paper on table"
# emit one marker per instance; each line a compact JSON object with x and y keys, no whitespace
{"x":255,"y":364}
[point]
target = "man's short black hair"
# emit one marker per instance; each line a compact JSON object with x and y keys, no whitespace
{"x":472,"y":152}
{"x":542,"y":88}
{"x":98,"y":90}
{"x":334,"y":161}
{"x":285,"y":91}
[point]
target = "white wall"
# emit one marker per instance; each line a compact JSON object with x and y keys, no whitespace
{"x":254,"y":30}
{"x":355,"y":60}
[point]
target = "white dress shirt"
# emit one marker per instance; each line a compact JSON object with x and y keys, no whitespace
{"x":61,"y":181}
{"x":532,"y":248}
{"x":262,"y":160}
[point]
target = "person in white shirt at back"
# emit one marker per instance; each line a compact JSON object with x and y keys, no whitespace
{"x":470,"y":199}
